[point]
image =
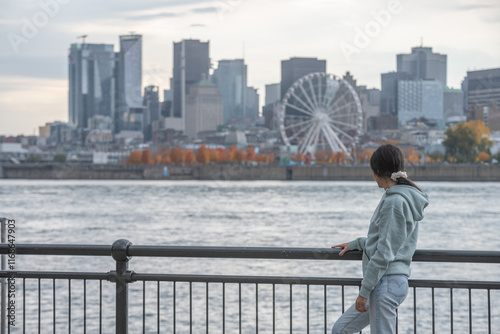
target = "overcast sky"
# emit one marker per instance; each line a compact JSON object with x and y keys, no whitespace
{"x":362,"y":37}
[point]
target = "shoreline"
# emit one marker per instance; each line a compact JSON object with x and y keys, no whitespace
{"x":228,"y":172}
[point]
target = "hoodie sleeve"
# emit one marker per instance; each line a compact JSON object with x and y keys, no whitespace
{"x":357,"y":244}
{"x":392,"y":235}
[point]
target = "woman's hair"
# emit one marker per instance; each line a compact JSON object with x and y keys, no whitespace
{"x":388,"y":159}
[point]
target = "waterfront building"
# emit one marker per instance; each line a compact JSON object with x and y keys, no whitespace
{"x":204,"y":108}
{"x":91,"y":82}
{"x":423,"y":64}
{"x":231,"y":79}
{"x":419,"y":99}
{"x":191,"y":64}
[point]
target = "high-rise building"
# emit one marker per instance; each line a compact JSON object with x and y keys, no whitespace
{"x":204,"y":108}
{"x":129,"y":83}
{"x":231,"y":79}
{"x":191,"y":64}
{"x":423,"y":64}
{"x":453,"y":105}
{"x":273,"y":93}
{"x":483,"y":97}
{"x":389,"y":91}
{"x":295,"y":68}
{"x":152,"y":109}
{"x":419,"y":99}
{"x":272,"y":99}
{"x":91,"y":82}
{"x":252,"y":105}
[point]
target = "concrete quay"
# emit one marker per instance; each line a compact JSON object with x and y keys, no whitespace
{"x":228,"y":172}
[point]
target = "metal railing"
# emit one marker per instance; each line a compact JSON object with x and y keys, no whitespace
{"x":258,"y":303}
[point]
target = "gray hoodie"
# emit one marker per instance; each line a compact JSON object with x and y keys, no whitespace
{"x":392,"y":236}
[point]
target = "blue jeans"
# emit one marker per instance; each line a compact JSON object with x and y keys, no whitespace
{"x":382,"y":304}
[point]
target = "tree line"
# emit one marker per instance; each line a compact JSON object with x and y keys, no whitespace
{"x":465,"y":142}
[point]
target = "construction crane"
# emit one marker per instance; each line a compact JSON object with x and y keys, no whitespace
{"x":83,"y":38}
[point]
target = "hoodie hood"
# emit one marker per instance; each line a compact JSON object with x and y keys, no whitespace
{"x":416,"y":199}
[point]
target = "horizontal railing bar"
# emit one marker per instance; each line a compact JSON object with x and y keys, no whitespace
{"x":297,"y":280}
{"x":495,"y":285}
{"x":432,"y":255}
{"x":59,"y":249}
{"x":294,"y":280}
{"x":55,"y":275}
{"x":421,"y":255}
{"x":246,"y":279}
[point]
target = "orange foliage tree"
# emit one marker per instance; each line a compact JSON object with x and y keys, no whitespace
{"x":146,"y":157}
{"x":250,"y":154}
{"x":320,"y":157}
{"x":189,"y":157}
{"x":214,"y":155}
{"x":364,"y":156}
{"x":483,"y":157}
{"x":411,"y":155}
{"x":135,"y":158}
{"x":202,"y":155}
{"x":240,"y":156}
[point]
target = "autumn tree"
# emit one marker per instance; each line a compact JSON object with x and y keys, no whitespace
{"x":464,"y":141}
{"x":177,"y":155}
{"x":202,"y":155}
{"x":189,"y":157}
{"x":364,"y":156}
{"x":240,"y":156}
{"x":135,"y":157}
{"x":483,"y":157}
{"x":410,"y":155}
{"x":340,"y":157}
{"x":147,"y":158}
{"x":214,"y":155}
{"x":250,"y":154}
{"x":320,"y":157}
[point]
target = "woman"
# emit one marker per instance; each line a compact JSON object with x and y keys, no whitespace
{"x":387,"y":249}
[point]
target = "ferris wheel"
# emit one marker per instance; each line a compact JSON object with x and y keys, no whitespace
{"x":319,"y":112}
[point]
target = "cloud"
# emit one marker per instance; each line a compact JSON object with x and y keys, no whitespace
{"x":475,"y":7}
{"x":154,"y":16}
{"x":204,"y":10}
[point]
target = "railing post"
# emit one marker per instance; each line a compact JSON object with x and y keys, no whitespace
{"x":122,"y":276}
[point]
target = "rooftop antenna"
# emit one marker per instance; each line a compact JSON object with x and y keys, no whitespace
{"x":243,"y":49}
{"x":421,"y":42}
{"x":132,"y":32}
{"x":83,"y":38}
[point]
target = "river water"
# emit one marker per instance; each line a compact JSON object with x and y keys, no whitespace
{"x":461,"y":216}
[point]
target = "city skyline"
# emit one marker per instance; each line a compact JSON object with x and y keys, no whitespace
{"x":363,"y":38}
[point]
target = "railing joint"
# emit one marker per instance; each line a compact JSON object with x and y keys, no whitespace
{"x":126,"y":277}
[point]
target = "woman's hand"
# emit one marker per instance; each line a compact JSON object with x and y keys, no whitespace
{"x":361,"y":304}
{"x":345,"y":247}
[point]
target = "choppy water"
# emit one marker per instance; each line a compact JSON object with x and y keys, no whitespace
{"x":284,"y":214}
